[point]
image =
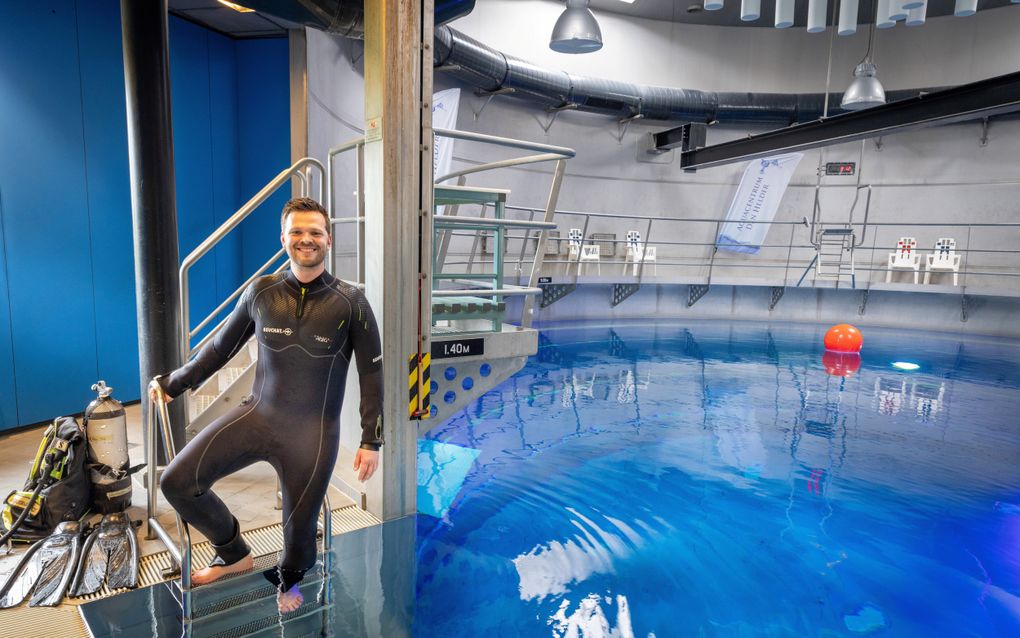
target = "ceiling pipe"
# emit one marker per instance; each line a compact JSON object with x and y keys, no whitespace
{"x":490,"y":70}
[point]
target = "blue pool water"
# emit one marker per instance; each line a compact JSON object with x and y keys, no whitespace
{"x":713,"y":480}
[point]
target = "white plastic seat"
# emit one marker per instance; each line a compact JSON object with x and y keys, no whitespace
{"x":591,"y":253}
{"x":906,"y":257}
{"x":574,"y":238}
{"x":644,"y":254}
{"x":943,"y":259}
{"x":633,"y":244}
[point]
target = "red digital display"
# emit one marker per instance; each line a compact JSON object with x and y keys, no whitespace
{"x":840,"y":168}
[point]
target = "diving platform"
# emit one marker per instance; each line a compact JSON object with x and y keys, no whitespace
{"x":474,"y":345}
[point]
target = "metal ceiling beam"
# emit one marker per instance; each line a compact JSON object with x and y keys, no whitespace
{"x":986,"y":98}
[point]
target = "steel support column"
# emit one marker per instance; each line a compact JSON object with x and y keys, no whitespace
{"x":153,"y":201}
{"x":398,"y":208}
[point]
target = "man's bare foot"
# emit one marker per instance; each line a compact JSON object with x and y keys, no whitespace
{"x":216,"y":572}
{"x":289,"y":600}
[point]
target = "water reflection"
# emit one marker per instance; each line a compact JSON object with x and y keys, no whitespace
{"x":734,"y":458}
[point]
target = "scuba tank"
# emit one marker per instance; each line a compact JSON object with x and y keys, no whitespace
{"x":109,"y":471}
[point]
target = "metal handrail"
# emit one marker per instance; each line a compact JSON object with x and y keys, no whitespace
{"x":490,"y":292}
{"x":470,"y":136}
{"x":545,"y":153}
{"x":181,"y":551}
{"x":181,"y":554}
{"x":237,"y":293}
{"x":357,"y":144}
{"x":690,"y":261}
{"x":212,"y":333}
{"x":225,"y":228}
{"x":493,"y":223}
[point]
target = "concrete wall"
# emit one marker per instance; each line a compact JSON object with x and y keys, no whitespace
{"x":939,"y":176}
{"x":336,"y":114}
{"x":903,"y":308}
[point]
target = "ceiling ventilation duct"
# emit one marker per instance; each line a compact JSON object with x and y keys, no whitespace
{"x":482,"y":66}
{"x":489,"y":70}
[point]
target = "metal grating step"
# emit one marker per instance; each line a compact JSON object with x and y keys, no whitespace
{"x":264,"y":542}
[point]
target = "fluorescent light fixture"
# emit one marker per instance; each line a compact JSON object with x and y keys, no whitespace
{"x":817,"y":15}
{"x":905,"y":365}
{"x":236,"y":7}
{"x":576,"y":30}
{"x":915,"y":17}
{"x":847,"y":17}
{"x":750,"y":10}
{"x":965,"y":8}
{"x":784,"y":14}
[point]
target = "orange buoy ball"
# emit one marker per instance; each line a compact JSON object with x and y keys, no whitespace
{"x":843,"y":338}
{"x":841,"y":364}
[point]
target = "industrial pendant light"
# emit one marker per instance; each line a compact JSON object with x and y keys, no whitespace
{"x":865,"y":91}
{"x":576,"y":30}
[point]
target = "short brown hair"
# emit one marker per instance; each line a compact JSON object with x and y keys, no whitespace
{"x":304,"y":205}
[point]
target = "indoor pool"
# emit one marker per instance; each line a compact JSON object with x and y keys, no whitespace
{"x":713,"y":480}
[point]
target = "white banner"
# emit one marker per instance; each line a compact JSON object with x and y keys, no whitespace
{"x":444,"y":115}
{"x":757,"y":200}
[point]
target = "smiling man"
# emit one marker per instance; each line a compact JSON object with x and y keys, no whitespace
{"x":308,"y":324}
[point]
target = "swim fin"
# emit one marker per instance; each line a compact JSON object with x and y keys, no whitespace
{"x":110,"y":554}
{"x":46,"y":569}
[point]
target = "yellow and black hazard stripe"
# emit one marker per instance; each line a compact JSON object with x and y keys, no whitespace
{"x":418,"y":382}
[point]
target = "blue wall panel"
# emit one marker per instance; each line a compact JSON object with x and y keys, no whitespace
{"x":67,"y":303}
{"x":223,"y":133}
{"x":189,"y":77}
{"x":45,"y":224}
{"x":109,"y":198}
{"x":263,"y":115}
{"x":8,"y":397}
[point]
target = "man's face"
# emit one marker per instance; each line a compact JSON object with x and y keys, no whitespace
{"x":305,"y":238}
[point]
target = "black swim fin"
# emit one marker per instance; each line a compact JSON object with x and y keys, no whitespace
{"x":46,"y":569}
{"x":110,"y":554}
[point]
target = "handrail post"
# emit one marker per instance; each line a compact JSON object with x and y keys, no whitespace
{"x":180,"y":554}
{"x":528,"y":307}
{"x":360,"y":247}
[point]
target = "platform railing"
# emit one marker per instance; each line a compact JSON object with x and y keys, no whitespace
{"x":542,"y":153}
{"x":690,"y":247}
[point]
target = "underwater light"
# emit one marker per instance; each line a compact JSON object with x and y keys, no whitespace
{"x":905,"y":365}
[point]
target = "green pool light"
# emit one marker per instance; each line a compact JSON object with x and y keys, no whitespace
{"x":905,"y":365}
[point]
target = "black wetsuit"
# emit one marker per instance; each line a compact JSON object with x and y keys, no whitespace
{"x":306,"y":335}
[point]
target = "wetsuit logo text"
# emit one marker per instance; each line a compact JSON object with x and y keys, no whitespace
{"x":278,"y":331}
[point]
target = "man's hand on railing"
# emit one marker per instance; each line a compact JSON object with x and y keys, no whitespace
{"x":156,"y":391}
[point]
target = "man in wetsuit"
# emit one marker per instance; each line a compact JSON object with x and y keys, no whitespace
{"x":307,"y":324}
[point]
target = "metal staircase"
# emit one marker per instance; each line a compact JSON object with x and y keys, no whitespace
{"x":474,"y":345}
{"x":834,"y":258}
{"x":835,"y":243}
{"x":470,"y":339}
